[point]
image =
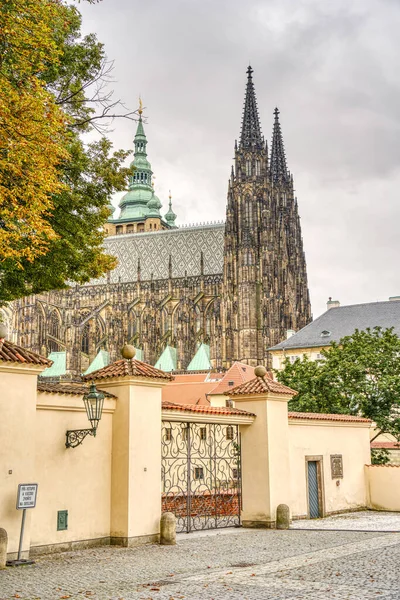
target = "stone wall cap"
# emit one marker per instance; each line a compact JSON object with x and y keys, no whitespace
{"x":10,"y":352}
{"x":260,"y":386}
{"x":128,"y":368}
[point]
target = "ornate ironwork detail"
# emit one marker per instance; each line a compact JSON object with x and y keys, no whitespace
{"x":201,"y":474}
{"x":75,"y":437}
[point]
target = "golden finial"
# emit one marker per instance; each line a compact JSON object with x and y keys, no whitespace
{"x":170,"y":195}
{"x":140,"y":106}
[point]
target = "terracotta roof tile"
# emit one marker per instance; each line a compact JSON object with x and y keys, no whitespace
{"x":386,"y":445}
{"x":124,"y":367}
{"x":260,"y":385}
{"x":327,"y":417}
{"x":77,"y":389}
{"x":214,"y":410}
{"x":187,"y":393}
{"x":237,"y":374}
{"x":10,"y":352}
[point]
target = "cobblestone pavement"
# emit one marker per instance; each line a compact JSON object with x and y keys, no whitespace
{"x":242,"y":564}
{"x":366,"y":520}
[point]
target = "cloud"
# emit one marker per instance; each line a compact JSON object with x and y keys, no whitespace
{"x":332,"y":68}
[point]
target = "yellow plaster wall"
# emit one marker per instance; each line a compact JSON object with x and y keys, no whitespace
{"x":383,"y":483}
{"x":73,"y":479}
{"x":324,"y":438}
{"x":279,"y":356}
{"x":17,"y":456}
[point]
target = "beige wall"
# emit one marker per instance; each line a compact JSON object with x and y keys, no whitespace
{"x":316,"y":438}
{"x":383,"y":485}
{"x":136,"y":459}
{"x":279,"y":356}
{"x":18,"y":443}
{"x":74,"y":479}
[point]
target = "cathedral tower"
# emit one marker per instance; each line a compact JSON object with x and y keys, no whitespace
{"x":265,"y":278}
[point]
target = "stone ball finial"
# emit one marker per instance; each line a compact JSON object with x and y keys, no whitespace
{"x":3,"y":330}
{"x":260,"y":371}
{"x":128,"y":351}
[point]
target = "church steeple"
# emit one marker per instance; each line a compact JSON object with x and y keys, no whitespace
{"x":278,"y":168}
{"x":250,"y":136}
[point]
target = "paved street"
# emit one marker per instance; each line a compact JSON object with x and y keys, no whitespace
{"x":257,"y":565}
{"x":364,"y":520}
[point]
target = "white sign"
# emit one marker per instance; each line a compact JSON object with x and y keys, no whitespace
{"x":27,"y":493}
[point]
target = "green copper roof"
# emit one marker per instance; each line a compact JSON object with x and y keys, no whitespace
{"x":167,"y":360}
{"x":170,"y":216}
{"x":139,"y":354}
{"x":102,"y":359}
{"x":201,"y":360}
{"x":59,"y":366}
{"x":140,"y":200}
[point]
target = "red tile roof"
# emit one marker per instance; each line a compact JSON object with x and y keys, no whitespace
{"x":10,"y":352}
{"x":386,"y":445}
{"x":260,"y":385}
{"x":327,"y":417}
{"x":187,"y":393}
{"x":238,"y":373}
{"x":214,"y":410}
{"x":67,"y":388}
{"x":128,"y":367}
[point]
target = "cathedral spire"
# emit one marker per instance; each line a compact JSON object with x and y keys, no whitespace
{"x":250,"y":136}
{"x":278,"y":166}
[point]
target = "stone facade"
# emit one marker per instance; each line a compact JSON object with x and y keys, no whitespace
{"x":237,"y":287}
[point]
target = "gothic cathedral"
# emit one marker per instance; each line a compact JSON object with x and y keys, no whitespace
{"x":191,"y":297}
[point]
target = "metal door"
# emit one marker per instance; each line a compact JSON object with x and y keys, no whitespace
{"x":313,"y":489}
{"x":201,"y":474}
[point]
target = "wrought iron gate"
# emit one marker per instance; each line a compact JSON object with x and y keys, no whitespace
{"x":201,"y":474}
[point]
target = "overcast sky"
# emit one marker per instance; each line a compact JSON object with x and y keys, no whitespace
{"x":332,"y":68}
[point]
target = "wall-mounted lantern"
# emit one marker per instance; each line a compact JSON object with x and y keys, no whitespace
{"x":93,"y":401}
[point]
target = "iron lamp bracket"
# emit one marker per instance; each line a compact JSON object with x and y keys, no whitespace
{"x":75,"y":437}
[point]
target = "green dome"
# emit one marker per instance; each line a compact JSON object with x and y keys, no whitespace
{"x":154,"y":206}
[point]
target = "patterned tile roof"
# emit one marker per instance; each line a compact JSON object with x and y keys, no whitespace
{"x":337,"y":322}
{"x":10,"y":352}
{"x":260,"y":385}
{"x":76,"y":389}
{"x":327,"y":417}
{"x":214,"y":410}
{"x":154,"y":248}
{"x":237,"y":374}
{"x":132,"y":367}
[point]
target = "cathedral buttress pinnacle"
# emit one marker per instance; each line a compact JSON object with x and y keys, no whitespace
{"x":278,"y":168}
{"x":250,"y":136}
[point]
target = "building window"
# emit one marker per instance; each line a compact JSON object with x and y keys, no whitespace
{"x":85,"y":339}
{"x":198,"y":473}
{"x":258,"y":167}
{"x":231,"y":383}
{"x":248,"y":167}
{"x":325,"y":333}
{"x":292,"y":359}
{"x":185,"y":432}
{"x":129,"y":228}
{"x":119,"y":229}
{"x":229,"y":433}
{"x":203,"y":433}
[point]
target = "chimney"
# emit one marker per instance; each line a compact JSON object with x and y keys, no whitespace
{"x":289,"y":333}
{"x":332,"y":303}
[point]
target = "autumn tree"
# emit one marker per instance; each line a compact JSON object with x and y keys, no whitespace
{"x":66,"y":234}
{"x":360,"y":375}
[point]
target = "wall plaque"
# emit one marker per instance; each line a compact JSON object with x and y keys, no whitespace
{"x":337,"y":466}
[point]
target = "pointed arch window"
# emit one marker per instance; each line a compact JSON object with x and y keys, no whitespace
{"x":248,"y":213}
{"x":85,"y":339}
{"x":248,"y":167}
{"x":54,"y":325}
{"x":258,"y":167}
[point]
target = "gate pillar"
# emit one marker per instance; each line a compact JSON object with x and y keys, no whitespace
{"x":136,"y":450}
{"x":264,"y":448}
